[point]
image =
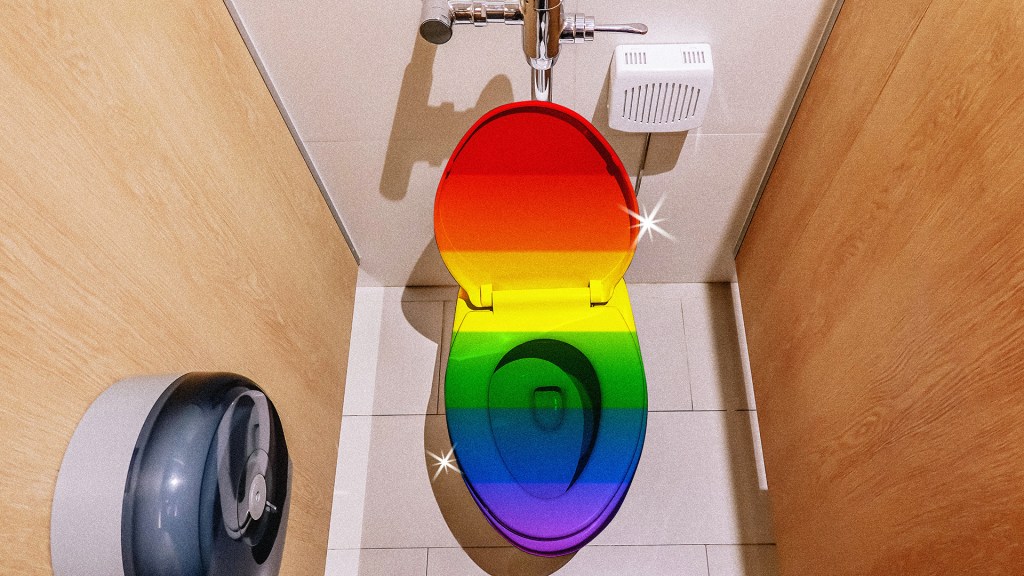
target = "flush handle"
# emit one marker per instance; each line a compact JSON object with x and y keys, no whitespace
{"x":579,"y":28}
{"x":632,"y":28}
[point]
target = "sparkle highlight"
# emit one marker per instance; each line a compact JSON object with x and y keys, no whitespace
{"x":647,"y":223}
{"x":444,"y":463}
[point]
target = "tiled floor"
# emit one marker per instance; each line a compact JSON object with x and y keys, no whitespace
{"x":697,"y":506}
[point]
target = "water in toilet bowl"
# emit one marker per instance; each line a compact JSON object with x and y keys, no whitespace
{"x":544,"y":407}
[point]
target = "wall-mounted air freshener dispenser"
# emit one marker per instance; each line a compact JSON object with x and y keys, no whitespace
{"x":659,"y":87}
{"x":181,"y":475}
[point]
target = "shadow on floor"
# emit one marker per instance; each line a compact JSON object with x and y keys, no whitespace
{"x":492,"y":553}
{"x":478,"y":539}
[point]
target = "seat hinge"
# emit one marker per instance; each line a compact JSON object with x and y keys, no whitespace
{"x":599,"y":293}
{"x":486,"y":295}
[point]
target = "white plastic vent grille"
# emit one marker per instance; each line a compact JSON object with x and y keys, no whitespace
{"x":660,"y":103}
{"x":693,"y":57}
{"x":638,"y":57}
{"x":659,"y":87}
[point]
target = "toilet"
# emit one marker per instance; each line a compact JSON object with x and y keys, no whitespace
{"x":545,"y":396}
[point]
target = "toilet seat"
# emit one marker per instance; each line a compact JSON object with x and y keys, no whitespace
{"x":563,"y":524}
{"x":532,"y":218}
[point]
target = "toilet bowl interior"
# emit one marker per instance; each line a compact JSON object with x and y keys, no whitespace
{"x":544,"y":408}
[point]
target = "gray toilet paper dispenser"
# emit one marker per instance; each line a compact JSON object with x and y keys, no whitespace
{"x":177,"y":475}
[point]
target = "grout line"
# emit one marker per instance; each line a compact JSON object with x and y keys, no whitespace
{"x":698,"y":135}
{"x":375,"y":415}
{"x":426,"y":570}
{"x":357,"y":140}
{"x":686,"y":350}
{"x":437,"y":364}
{"x":406,"y":548}
{"x":658,"y":545}
{"x":691,"y":410}
{"x":510,"y":547}
{"x":707,"y":559}
{"x":649,"y":411}
{"x":442,"y":373}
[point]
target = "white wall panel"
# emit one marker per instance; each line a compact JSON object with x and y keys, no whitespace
{"x":379,"y":111}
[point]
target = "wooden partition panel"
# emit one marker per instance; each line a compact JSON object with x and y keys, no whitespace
{"x":156,"y":216}
{"x":882,"y":281}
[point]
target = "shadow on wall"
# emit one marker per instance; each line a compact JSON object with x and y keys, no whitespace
{"x":421,"y":132}
{"x":429,"y":269}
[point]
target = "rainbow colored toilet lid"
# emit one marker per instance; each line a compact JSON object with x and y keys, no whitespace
{"x":534,"y":197}
{"x":546,"y":405}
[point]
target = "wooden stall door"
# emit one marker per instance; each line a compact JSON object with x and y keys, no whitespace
{"x":882,"y":282}
{"x":156,"y":217}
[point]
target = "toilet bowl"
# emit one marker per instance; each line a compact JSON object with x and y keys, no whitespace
{"x":545,"y":395}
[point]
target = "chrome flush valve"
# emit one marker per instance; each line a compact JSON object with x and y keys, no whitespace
{"x":438,"y":16}
{"x":544,"y":29}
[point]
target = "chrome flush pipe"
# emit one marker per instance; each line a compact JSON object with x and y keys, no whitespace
{"x":544,"y":29}
{"x":540,"y":85}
